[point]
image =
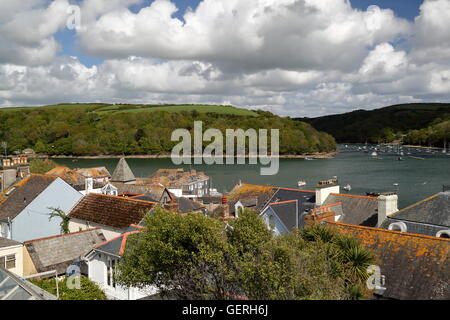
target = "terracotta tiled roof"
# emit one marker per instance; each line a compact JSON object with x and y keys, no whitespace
{"x":23,"y":194}
{"x":415,"y":266}
{"x":111,"y":211}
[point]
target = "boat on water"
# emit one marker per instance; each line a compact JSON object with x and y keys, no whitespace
{"x":309,"y":159}
{"x":399,"y":159}
{"x":374,"y":154}
{"x":347,"y":187}
{"x":301,"y":183}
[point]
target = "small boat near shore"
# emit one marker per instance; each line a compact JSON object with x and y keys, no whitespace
{"x":301,"y":183}
{"x":347,"y":187}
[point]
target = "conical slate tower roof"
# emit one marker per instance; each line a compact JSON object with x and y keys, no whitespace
{"x":123,"y":173}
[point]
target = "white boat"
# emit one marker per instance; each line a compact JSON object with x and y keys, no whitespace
{"x":348,"y":187}
{"x":374,"y":154}
{"x":308,"y":159}
{"x":301,"y":183}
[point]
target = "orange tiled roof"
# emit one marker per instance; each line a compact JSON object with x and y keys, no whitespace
{"x":415,"y":266}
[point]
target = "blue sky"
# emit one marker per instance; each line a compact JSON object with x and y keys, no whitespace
{"x":407,"y":9}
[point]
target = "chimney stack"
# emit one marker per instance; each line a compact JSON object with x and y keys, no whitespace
{"x":387,"y":205}
{"x":324,"y":189}
{"x":226,"y":207}
{"x":88,"y":185}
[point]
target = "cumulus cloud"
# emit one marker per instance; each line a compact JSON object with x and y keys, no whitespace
{"x":27,"y":29}
{"x":291,"y":57}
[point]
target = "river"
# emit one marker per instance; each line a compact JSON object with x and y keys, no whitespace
{"x":416,"y":179}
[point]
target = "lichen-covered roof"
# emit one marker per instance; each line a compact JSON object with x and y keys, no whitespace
{"x":96,"y":172}
{"x":176,"y":178}
{"x":23,"y":194}
{"x":248,"y":191}
{"x":415,"y":266}
{"x":70,"y":176}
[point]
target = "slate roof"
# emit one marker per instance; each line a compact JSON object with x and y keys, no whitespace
{"x":123,"y":173}
{"x":58,"y":252}
{"x":5,"y":243}
{"x":416,"y":267}
{"x":357,"y":210}
{"x":434,"y":210}
{"x":186,"y":205}
{"x":24,"y":193}
{"x":116,"y":246}
{"x":118,"y":212}
{"x":291,"y":204}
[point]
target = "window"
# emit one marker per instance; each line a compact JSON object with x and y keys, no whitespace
{"x":443,"y":234}
{"x":110,"y":273}
{"x":398,"y":226}
{"x":8,"y":262}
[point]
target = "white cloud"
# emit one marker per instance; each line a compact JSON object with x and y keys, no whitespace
{"x":292,"y":57}
{"x":27,"y":29}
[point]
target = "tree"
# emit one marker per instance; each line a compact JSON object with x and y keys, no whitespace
{"x":198,"y":257}
{"x":41,"y":166}
{"x":65,"y":219}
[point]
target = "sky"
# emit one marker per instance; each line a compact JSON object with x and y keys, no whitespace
{"x":299,"y":58}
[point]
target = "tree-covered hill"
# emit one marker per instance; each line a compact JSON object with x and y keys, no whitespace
{"x":102,"y":129}
{"x":388,"y":124}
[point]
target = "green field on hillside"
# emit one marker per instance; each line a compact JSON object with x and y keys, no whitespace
{"x":130,"y":108}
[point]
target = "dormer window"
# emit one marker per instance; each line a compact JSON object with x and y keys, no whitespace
{"x":443,"y":234}
{"x":398,"y":226}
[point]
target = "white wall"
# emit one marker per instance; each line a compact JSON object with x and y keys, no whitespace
{"x":97,"y":272}
{"x":33,"y":222}
{"x":76,"y":225}
{"x":16,"y":250}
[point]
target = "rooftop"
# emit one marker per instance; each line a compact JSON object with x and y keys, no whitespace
{"x":58,"y":252}
{"x":116,"y":246}
{"x":23,"y":193}
{"x":434,"y":210}
{"x":5,"y":243}
{"x":123,"y":173}
{"x":415,"y":266}
{"x":118,"y":212}
{"x":356,"y":210}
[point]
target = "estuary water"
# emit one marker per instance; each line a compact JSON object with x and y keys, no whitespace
{"x":420,"y":174}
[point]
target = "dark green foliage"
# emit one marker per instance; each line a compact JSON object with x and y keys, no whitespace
{"x":197,"y":257}
{"x":89,"y":290}
{"x":388,"y":124}
{"x":87,"y":130}
{"x":65,"y":219}
{"x":42,"y":166}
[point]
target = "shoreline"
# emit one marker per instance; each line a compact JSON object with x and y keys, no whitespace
{"x":325,"y":155}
